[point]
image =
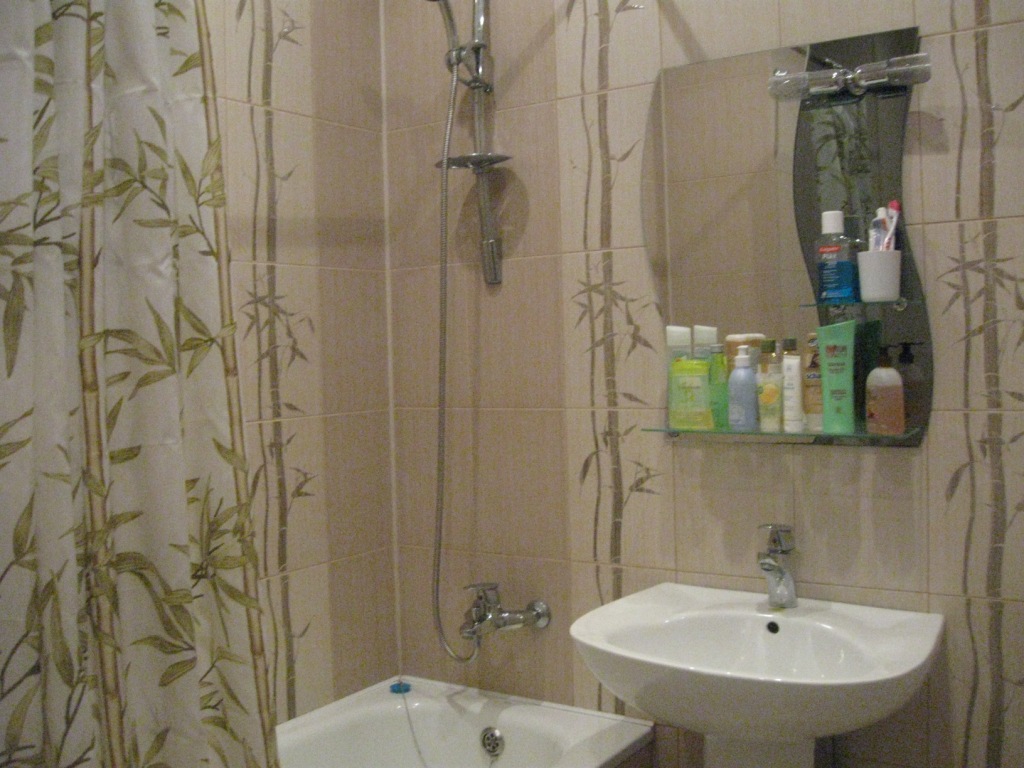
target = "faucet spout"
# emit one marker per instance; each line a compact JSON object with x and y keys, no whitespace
{"x":781,"y":588}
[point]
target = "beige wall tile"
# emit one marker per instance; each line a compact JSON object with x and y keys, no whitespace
{"x":344,"y":77}
{"x":694,"y":30}
{"x":634,"y":50}
{"x":290,"y":507}
{"x":519,"y":485}
{"x":648,"y":525}
{"x":362,"y":598}
{"x":284,"y":34}
{"x":717,"y":127}
{"x":523,"y":49}
{"x":948,"y":196}
{"x":297,"y":603}
{"x":579,"y":129}
{"x":328,"y":190}
{"x":511,"y":326}
{"x":324,"y":59}
{"x":415,"y":312}
{"x":810,"y":21}
{"x":861,"y":517}
{"x":975,"y":330}
{"x":965,"y":684}
{"x":975,"y":489}
{"x":416,"y":481}
{"x":414,"y":194}
{"x":494,"y":335}
{"x":505,"y":490}
{"x":526,"y":192}
{"x":296,"y":289}
{"x":623,"y":284}
{"x":723,"y":492}
{"x":357,"y":488}
{"x":353,"y":340}
{"x":937,"y":16}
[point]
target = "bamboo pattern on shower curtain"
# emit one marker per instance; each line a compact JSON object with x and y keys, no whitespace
{"x":978,"y":283}
{"x":126,"y":514}
{"x":606,"y":311}
{"x":278,"y":331}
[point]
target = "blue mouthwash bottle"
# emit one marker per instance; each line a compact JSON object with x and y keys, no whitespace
{"x":837,"y":270}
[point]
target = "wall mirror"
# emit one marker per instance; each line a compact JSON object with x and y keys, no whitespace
{"x":734,"y":182}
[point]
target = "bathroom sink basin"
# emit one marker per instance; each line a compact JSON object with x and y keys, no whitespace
{"x":722,"y":662}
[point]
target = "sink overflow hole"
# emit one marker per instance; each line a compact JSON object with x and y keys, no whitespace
{"x":773,"y":627}
{"x":492,"y":741}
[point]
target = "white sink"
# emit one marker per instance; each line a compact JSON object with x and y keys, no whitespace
{"x":723,"y":663}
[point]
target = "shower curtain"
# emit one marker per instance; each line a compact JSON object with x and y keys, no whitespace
{"x":130,"y":631}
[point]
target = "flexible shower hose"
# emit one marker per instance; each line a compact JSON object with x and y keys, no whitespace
{"x":442,"y":383}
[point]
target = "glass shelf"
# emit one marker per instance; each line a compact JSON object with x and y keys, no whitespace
{"x":899,"y":304}
{"x":911,"y":438}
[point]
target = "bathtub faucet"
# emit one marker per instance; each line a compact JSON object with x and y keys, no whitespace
{"x":486,"y":615}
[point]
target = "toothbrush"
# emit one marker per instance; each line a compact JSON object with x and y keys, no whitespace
{"x":879,"y":229}
{"x":893,"y":216}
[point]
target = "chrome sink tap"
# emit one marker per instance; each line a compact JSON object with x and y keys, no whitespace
{"x":781,"y":588}
{"x":486,"y":615}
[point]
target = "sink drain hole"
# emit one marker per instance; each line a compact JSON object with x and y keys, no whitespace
{"x":773,"y":627}
{"x":492,"y":741}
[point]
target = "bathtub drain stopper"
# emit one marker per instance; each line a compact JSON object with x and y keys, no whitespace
{"x":492,"y":741}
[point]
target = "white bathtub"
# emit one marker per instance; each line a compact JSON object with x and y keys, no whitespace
{"x":436,"y":725}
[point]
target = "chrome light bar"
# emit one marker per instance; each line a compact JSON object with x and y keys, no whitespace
{"x":895,"y":72}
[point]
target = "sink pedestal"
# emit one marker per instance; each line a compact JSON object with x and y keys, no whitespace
{"x":725,"y":752}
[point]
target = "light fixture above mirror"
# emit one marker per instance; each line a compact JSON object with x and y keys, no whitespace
{"x":899,"y":71}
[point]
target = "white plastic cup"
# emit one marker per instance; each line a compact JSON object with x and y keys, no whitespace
{"x":879,"y":275}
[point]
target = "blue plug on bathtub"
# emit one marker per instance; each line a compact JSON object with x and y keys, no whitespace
{"x":400,"y":687}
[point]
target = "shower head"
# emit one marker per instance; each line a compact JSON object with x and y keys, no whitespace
{"x":449,"y":24}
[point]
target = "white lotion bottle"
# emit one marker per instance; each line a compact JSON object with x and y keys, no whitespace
{"x":743,"y":394}
{"x":792,"y":388}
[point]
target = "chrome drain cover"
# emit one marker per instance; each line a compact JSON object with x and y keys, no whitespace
{"x":492,"y":741}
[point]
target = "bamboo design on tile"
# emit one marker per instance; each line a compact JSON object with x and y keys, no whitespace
{"x":985,"y":466}
{"x":250,"y":559}
{"x":276,"y":329}
{"x":602,"y":306}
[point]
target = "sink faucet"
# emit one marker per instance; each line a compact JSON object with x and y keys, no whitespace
{"x":486,"y":615}
{"x":781,"y":589}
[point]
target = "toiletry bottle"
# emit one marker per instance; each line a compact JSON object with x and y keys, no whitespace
{"x":915,"y":396}
{"x":769,"y":387}
{"x":884,"y":411}
{"x":718,"y":378}
{"x":677,"y":345}
{"x":743,"y":393}
{"x":703,"y":337}
{"x":812,"y":385}
{"x":732,"y":346}
{"x":836,"y":343}
{"x":837,"y":270}
{"x":689,"y":395}
{"x":678,"y":342}
{"x":792,"y":388}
